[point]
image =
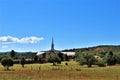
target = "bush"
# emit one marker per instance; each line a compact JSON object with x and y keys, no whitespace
{"x":7,"y":62}
{"x":23,"y":62}
{"x":110,"y":59}
{"x":86,"y":58}
{"x":101,"y":63}
{"x":53,"y":58}
{"x":117,"y":56}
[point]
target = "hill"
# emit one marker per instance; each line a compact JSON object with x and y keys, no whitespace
{"x":97,"y":49}
{"x":94,"y":50}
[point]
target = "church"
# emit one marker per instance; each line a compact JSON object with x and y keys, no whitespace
{"x":43,"y":54}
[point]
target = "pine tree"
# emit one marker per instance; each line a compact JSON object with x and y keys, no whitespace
{"x":12,"y":53}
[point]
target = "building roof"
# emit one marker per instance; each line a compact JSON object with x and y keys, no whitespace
{"x":39,"y":53}
{"x":69,"y":53}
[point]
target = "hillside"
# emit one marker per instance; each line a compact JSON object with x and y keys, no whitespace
{"x":20,"y":54}
{"x":98,"y":49}
{"x":94,"y":50}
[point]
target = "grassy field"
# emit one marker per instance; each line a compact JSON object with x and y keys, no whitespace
{"x":61,"y":72}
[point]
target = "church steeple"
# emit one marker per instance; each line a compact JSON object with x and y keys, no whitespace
{"x":52,"y":45}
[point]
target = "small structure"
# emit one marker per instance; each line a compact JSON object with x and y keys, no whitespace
{"x":28,"y":61}
{"x":69,"y":53}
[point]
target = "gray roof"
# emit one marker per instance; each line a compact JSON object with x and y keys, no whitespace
{"x":68,"y":53}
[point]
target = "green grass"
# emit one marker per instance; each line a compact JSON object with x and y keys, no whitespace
{"x":61,"y":72}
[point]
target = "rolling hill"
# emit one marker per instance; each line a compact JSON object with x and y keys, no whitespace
{"x":97,"y":49}
{"x":94,"y":50}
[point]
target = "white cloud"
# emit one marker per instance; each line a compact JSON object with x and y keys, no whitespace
{"x":10,"y":39}
{"x":4,"y":46}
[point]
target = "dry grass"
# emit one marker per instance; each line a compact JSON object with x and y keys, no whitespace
{"x":71,"y":72}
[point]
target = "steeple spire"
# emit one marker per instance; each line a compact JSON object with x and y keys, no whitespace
{"x":52,"y":45}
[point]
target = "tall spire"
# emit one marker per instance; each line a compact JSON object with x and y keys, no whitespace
{"x":52,"y":45}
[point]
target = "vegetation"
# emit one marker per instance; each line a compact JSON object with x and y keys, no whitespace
{"x":40,"y":60}
{"x":19,"y":55}
{"x":101,"y":63}
{"x":85,"y":58}
{"x":101,"y":58}
{"x":53,"y":58}
{"x":102,"y":49}
{"x":61,"y":72}
{"x":110,"y":58}
{"x":12,"y":53}
{"x":7,"y":62}
{"x":36,"y":58}
{"x":117,"y":56}
{"x":23,"y":62}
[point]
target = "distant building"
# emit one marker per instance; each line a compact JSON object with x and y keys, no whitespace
{"x":52,"y":50}
{"x":27,"y":61}
{"x":55,"y":51}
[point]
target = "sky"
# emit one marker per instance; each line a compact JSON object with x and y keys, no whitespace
{"x":29,"y":25}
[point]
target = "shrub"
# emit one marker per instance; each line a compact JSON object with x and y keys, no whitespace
{"x":7,"y":62}
{"x":86,"y":58}
{"x":12,"y":53}
{"x":53,"y":58}
{"x":110,"y":58}
{"x":23,"y":62}
{"x":117,"y":56}
{"x":101,"y":63}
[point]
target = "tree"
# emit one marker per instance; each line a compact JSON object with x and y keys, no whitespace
{"x":12,"y":53}
{"x":36,"y":58}
{"x":86,"y":58}
{"x":65,"y":57}
{"x":53,"y":58}
{"x":110,"y":59}
{"x":101,"y":63}
{"x":61,"y":56}
{"x":40,"y":60}
{"x":23,"y":62}
{"x":7,"y":62}
{"x":117,"y":56}
{"x":102,"y":53}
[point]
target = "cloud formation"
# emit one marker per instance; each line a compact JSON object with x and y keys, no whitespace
{"x":10,"y":39}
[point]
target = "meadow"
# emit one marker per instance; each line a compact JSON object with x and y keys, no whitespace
{"x":61,"y":72}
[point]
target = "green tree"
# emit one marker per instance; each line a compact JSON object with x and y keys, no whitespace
{"x":23,"y":62}
{"x":110,"y":59}
{"x":12,"y":53}
{"x":117,"y":56}
{"x":40,"y":60}
{"x":36,"y":58}
{"x":101,"y":63}
{"x":7,"y":62}
{"x":61,"y":56}
{"x":65,"y":57}
{"x":86,"y":58}
{"x":102,"y":53}
{"x":78,"y":56}
{"x":53,"y":58}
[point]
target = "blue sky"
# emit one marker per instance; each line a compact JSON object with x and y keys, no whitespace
{"x":29,"y":25}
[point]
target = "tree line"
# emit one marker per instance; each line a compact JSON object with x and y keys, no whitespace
{"x":102,"y":60}
{"x":10,"y":59}
{"x":7,"y":59}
